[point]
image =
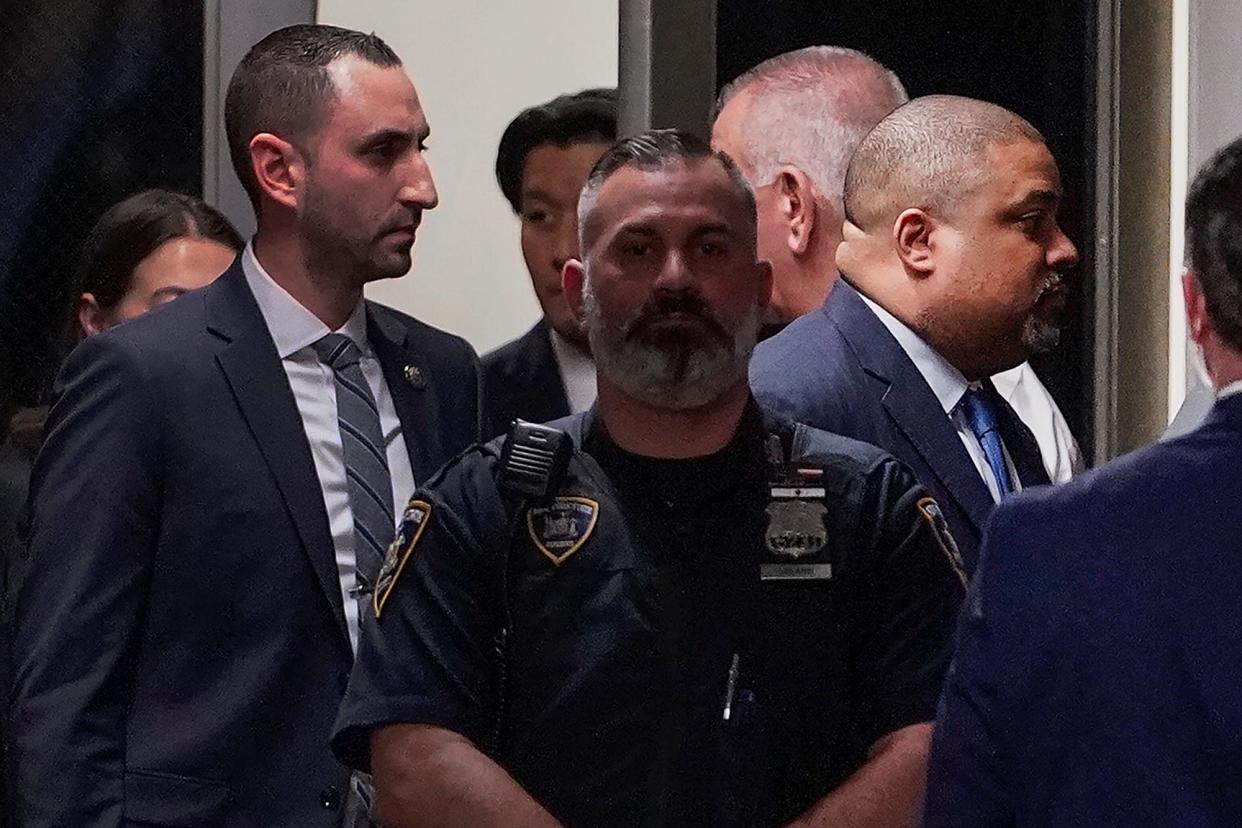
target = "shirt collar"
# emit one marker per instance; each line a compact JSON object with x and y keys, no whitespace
{"x":946,"y":382}
{"x":291,"y":325}
{"x":1230,"y":390}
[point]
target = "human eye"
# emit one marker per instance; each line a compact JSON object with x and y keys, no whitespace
{"x":536,"y":215}
{"x":1033,"y":221}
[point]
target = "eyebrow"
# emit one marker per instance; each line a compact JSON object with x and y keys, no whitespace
{"x":384,"y":135}
{"x":536,"y":193}
{"x":642,"y":228}
{"x":1040,"y":197}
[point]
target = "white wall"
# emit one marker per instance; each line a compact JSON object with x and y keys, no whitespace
{"x":476,"y":64}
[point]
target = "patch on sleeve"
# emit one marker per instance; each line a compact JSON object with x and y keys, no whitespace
{"x":930,"y":510}
{"x":562,"y":527}
{"x":413,"y":521}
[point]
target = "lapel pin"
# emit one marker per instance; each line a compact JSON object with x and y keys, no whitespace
{"x":415,"y":377}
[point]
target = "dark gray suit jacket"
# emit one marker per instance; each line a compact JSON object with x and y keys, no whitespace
{"x":522,"y":379}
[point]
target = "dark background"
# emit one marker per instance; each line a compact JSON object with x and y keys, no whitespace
{"x":101,"y":99}
{"x":1036,"y":58}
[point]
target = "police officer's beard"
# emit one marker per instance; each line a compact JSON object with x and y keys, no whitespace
{"x":679,"y":367}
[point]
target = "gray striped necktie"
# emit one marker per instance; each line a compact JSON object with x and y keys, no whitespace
{"x":366,"y":463}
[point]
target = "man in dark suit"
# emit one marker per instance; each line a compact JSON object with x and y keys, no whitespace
{"x":1097,"y":673}
{"x":220,"y":478}
{"x":545,"y":155}
{"x":951,"y":261}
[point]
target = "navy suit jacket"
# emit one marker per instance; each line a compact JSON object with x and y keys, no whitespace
{"x":839,"y":369}
{"x":180,"y":647}
{"x":522,"y":379}
{"x":1099,"y":660}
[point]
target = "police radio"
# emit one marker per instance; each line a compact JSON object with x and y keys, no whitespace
{"x":533,"y":460}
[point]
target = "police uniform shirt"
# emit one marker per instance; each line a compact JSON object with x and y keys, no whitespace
{"x":609,"y":704}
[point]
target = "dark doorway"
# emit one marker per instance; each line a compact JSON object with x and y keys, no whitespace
{"x":100,"y":100}
{"x":1036,"y":58}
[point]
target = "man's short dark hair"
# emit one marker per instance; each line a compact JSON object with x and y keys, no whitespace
{"x":586,"y":116}
{"x":282,"y":86}
{"x":653,"y":150}
{"x":1214,"y":238}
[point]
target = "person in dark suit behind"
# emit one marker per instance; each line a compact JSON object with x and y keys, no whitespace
{"x":221,"y":476}
{"x":545,"y":155}
{"x":143,"y":251}
{"x":1097,"y":671}
{"x":951,"y":261}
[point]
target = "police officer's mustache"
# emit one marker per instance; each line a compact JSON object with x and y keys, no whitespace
{"x":686,"y":303}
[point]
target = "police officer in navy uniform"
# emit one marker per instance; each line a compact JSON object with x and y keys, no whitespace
{"x":673,"y":609}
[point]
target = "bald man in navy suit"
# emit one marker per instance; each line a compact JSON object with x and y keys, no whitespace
{"x":951,"y":263}
{"x":1097,"y":672}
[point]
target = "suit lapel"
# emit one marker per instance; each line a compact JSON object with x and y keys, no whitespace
{"x":910,"y":402}
{"x":261,"y":388}
{"x":546,"y":377}
{"x":409,"y":376}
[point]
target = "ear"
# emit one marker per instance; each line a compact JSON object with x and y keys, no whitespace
{"x":92,"y":319}
{"x":796,"y":202}
{"x":912,"y":239}
{"x":573,"y":277}
{"x":1198,"y":323}
{"x":278,"y":168}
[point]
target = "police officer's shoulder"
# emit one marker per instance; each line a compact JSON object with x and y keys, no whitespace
{"x":463,"y":496}
{"x":841,"y":455}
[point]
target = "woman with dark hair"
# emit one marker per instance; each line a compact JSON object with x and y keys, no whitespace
{"x":145,"y":251}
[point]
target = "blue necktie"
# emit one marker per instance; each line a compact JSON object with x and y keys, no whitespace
{"x":981,"y":414}
{"x":366,"y":462}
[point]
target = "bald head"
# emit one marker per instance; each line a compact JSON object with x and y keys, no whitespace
{"x":931,"y":154}
{"x":808,"y":108}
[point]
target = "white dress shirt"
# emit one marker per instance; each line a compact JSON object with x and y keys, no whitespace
{"x":577,"y":372}
{"x":295,"y":329}
{"x":1028,"y":397}
{"x":948,"y":384}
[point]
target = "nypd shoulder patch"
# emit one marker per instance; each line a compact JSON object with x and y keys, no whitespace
{"x":561,"y":528}
{"x":930,"y":511}
{"x":413,"y":521}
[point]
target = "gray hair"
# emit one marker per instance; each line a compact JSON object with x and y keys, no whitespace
{"x":927,"y":154}
{"x":810,"y":108}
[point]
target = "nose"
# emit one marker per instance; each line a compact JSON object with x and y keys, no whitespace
{"x":674,"y":275}
{"x":420,"y":189}
{"x":565,"y":243}
{"x":1062,"y":255}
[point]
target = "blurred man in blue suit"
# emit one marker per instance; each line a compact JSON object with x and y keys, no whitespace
{"x":1097,"y":674}
{"x":220,"y":478}
{"x":951,"y":262}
